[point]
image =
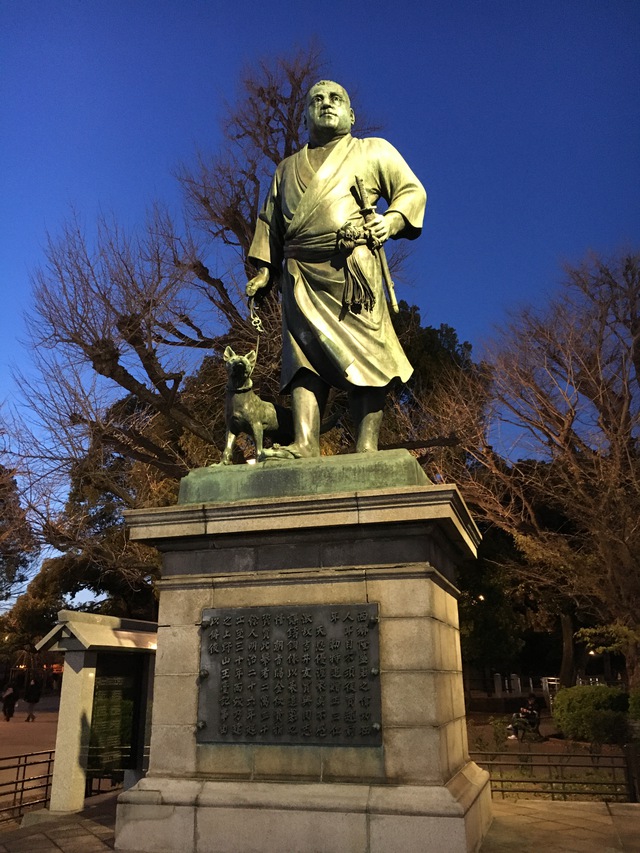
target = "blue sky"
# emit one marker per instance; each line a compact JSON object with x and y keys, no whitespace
{"x":521,"y":118}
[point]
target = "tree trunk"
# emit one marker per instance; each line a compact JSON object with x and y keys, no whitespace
{"x":632,"y":661}
{"x":566,"y":667}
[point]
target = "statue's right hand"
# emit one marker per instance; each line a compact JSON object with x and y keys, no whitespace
{"x":258,"y":282}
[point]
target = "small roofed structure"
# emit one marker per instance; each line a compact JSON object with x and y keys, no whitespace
{"x":77,"y":631}
{"x":105,"y":700}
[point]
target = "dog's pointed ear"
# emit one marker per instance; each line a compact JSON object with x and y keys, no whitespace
{"x":228,"y":354}
{"x":251,"y":357}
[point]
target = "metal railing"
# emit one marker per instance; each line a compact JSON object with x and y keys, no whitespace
{"x":25,"y":780}
{"x":559,"y":776}
{"x":25,"y":783}
{"x":107,"y":767}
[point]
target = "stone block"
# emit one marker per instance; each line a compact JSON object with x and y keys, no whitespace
{"x":305,"y":555}
{"x":283,"y":796}
{"x":416,"y":832}
{"x":443,"y":686}
{"x":183,"y":605}
{"x":351,"y":764}
{"x":413,"y":800}
{"x":175,"y":700}
{"x":173,"y":750}
{"x":410,"y":699}
{"x":452,"y":611}
{"x":438,"y":636}
{"x":224,"y":761}
{"x":287,"y":762}
{"x":450,"y":648}
{"x":458,"y":654}
{"x":266,"y":818}
{"x":468,"y":785}
{"x":155,"y":828}
{"x":379,"y":550}
{"x":181,"y":792}
{"x":407,"y":644}
{"x":401,"y":596}
{"x":228,"y":557}
{"x":226,"y":830}
{"x":178,"y":650}
{"x":165,"y":522}
{"x":454,"y":747}
{"x":440,"y":609}
{"x":457,"y":698}
{"x":289,"y":590}
{"x":412,"y":756}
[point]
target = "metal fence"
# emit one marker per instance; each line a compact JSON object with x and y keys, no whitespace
{"x":560,"y":776}
{"x":25,"y":780}
{"x":106,"y":767}
{"x":25,"y":783}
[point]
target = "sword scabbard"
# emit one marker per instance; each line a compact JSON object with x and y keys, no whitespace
{"x":368,"y":212}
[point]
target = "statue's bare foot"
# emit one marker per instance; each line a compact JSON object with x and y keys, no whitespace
{"x":290,"y":451}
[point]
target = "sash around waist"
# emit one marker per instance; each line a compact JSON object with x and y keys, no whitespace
{"x":316,"y":249}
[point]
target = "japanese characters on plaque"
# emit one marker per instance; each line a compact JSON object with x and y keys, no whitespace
{"x":290,"y":675}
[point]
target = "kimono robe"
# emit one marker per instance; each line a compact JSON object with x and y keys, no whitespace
{"x":298,"y":226}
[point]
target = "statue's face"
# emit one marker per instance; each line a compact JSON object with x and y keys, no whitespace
{"x":329,"y":112}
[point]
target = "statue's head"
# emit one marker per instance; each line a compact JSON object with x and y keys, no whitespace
{"x":328,"y":112}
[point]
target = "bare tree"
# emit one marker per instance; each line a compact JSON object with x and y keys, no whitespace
{"x":565,"y":381}
{"x":127,"y":328}
{"x":126,"y":390}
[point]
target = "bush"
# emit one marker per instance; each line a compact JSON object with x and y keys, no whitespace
{"x":634,"y":704}
{"x":596,"y":714}
{"x":609,"y":727}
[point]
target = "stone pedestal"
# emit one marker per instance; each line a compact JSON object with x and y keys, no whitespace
{"x":396,"y":546}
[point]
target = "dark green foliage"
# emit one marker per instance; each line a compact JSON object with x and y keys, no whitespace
{"x":608,"y":726}
{"x":597,"y":714}
{"x":17,"y":543}
{"x":634,"y":704}
{"x":431,"y":351}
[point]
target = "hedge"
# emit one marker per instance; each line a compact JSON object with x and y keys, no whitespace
{"x":596,"y":714}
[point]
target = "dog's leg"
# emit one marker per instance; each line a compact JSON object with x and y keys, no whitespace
{"x":227,"y":453}
{"x":258,"y":439}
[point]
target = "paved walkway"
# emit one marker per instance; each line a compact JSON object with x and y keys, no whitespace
{"x":542,"y":826}
{"x":91,"y":831}
{"x":17,"y":737}
{"x":520,"y":826}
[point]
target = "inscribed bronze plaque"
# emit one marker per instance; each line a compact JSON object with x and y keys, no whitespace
{"x":290,"y":675}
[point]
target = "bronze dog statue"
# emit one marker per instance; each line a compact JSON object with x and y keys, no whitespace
{"x":246,"y":412}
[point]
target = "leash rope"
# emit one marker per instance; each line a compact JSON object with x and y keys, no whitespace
{"x":256,"y":322}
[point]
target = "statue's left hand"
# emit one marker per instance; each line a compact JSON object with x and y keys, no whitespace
{"x":258,"y":282}
{"x":383,"y":227}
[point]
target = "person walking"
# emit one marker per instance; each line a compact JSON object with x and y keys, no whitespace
{"x":9,"y":699}
{"x":32,"y":697}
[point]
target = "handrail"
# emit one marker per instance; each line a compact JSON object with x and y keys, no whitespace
{"x":26,"y":780}
{"x":559,"y":775}
{"x":26,"y":789}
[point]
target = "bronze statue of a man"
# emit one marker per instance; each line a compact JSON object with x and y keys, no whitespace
{"x":336,"y":326}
